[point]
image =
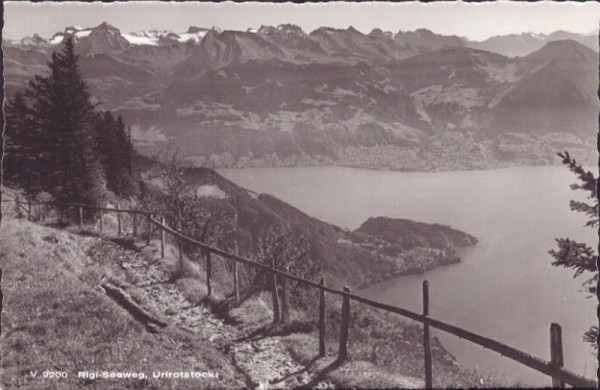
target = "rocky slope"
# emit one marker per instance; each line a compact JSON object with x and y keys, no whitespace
{"x":279,"y":96}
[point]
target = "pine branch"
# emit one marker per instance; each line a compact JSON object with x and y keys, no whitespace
{"x":586,"y":177}
{"x":571,"y":254}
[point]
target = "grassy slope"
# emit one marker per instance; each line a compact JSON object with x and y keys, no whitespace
{"x":56,"y":318}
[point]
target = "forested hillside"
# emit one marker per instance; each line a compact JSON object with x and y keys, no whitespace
{"x":57,"y":145}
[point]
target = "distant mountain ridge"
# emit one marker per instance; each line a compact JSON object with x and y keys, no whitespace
{"x":420,"y":40}
{"x":278,"y":96}
{"x":519,"y":45}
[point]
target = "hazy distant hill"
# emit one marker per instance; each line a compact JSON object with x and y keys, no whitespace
{"x":279,"y":96}
{"x":519,"y":45}
{"x":559,"y":95}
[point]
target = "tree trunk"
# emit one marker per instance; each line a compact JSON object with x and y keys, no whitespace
{"x":275,"y":295}
{"x":285,"y":303}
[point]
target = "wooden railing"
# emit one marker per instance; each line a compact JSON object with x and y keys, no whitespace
{"x":553,"y":368}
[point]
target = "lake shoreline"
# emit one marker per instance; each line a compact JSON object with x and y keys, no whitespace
{"x":416,"y":270}
{"x":459,"y":169}
{"x":504,"y":288}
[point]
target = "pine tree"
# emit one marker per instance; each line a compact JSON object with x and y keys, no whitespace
{"x":102,"y":137}
{"x":130,"y":151}
{"x":20,"y":147}
{"x":576,"y":255}
{"x":113,"y":148}
{"x":105,"y":135}
{"x":64,"y":113}
{"x":59,"y":144}
{"x":122,"y":151}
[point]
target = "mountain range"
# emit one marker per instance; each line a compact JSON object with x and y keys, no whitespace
{"x":278,"y":96}
{"x":518,"y":45}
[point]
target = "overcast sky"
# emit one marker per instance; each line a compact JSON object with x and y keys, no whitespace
{"x":474,"y":21}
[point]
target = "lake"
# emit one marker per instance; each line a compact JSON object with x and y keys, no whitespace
{"x":505,"y":287}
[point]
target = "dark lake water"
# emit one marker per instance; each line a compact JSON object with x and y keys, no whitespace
{"x":505,"y":287}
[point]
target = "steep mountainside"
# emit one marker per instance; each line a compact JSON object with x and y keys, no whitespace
{"x":560,"y":95}
{"x":357,"y":257}
{"x":150,"y":314}
{"x":279,"y":96}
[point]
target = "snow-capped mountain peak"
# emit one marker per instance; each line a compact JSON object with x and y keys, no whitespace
{"x":154,"y":37}
{"x":194,"y":35}
{"x":36,"y":40}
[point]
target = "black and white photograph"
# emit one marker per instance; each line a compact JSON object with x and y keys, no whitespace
{"x":327,"y":195}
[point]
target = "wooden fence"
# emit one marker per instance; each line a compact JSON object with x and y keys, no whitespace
{"x":553,"y":368}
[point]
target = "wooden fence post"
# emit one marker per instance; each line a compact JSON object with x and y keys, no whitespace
{"x":134,"y":217}
{"x":556,"y":352}
{"x":208,"y":273}
{"x":80,"y":217}
{"x":101,"y":220}
{"x":274,"y":294}
{"x":162,"y":239}
{"x":344,"y":326}
{"x":18,"y":207}
{"x":180,"y":245}
{"x":285,"y":302}
{"x":118,"y":218}
{"x":29,"y":210}
{"x":58,"y":214}
{"x":236,"y":282}
{"x":149,"y":227}
{"x":426,"y":339}
{"x":322,"y":318}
